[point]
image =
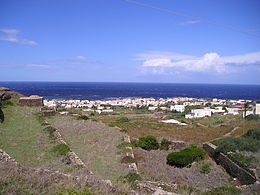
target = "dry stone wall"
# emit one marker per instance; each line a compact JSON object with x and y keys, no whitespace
{"x":245,"y":176}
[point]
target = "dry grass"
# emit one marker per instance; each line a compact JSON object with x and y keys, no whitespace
{"x":152,"y":166}
{"x":17,"y":179}
{"x":96,"y":145}
{"x":193,"y":133}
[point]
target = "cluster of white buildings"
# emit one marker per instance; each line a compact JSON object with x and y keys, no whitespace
{"x":176,"y":104}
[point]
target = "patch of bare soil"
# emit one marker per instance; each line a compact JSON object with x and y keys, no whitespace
{"x":152,"y":166}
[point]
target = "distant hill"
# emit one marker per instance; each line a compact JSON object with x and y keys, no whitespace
{"x":13,"y":94}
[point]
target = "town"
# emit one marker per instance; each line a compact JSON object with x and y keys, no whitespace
{"x":198,"y":107}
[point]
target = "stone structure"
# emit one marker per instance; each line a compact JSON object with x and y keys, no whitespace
{"x":72,"y":155}
{"x":244,"y":175}
{"x":48,"y":111}
{"x":33,"y":101}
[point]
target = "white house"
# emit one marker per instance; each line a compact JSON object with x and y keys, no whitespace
{"x":198,"y":113}
{"x":178,"y":108}
{"x":257,"y":109}
{"x":152,"y":108}
{"x":234,"y":111}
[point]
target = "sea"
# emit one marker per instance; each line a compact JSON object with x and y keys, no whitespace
{"x":110,"y":90}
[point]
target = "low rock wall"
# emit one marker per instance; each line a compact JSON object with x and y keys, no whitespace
{"x":245,"y":176}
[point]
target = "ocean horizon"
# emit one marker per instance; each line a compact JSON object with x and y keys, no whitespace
{"x":115,"y":90}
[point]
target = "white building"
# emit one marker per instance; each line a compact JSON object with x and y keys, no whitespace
{"x":198,"y":113}
{"x":234,"y":111}
{"x":257,"y":109}
{"x":178,"y":108}
{"x":152,"y":108}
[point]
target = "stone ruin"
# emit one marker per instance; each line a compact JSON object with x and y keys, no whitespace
{"x":33,"y":101}
{"x":45,"y":111}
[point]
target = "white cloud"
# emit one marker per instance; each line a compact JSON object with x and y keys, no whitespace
{"x":80,"y":57}
{"x":190,"y":22}
{"x":38,"y":66}
{"x":11,"y":36}
{"x":210,"y":62}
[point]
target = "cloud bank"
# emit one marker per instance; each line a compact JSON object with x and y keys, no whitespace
{"x":209,"y":62}
{"x":11,"y":35}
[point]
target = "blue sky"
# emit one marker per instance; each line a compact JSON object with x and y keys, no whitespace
{"x":122,"y":41}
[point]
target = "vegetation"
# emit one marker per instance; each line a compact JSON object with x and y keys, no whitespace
{"x":32,"y":147}
{"x":50,"y":130}
{"x":85,"y":191}
{"x":127,"y":159}
{"x":252,"y":117}
{"x":82,"y":117}
{"x":165,"y":144}
{"x":123,"y":120}
{"x":224,"y":190}
{"x":186,"y":156}
{"x":242,"y":160}
{"x":131,"y":178}
{"x":253,"y":133}
{"x":61,"y":149}
{"x":205,"y":168}
{"x":148,"y":143}
{"x":248,"y":142}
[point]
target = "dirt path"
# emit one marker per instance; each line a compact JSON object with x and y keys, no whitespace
{"x":229,"y":134}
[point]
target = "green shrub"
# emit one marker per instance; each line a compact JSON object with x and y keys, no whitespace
{"x":83,"y":117}
{"x":252,"y":117}
{"x":131,"y":178}
{"x":165,"y":144}
{"x":205,"y":168}
{"x":85,"y":191}
{"x":10,"y":102}
{"x":61,"y":149}
{"x":244,"y":161}
{"x":123,"y":130}
{"x":127,"y":159}
{"x":231,"y":144}
{"x":223,"y":190}
{"x":186,"y":156}
{"x":50,"y":130}
{"x":253,"y":133}
{"x":123,"y":120}
{"x":148,"y":143}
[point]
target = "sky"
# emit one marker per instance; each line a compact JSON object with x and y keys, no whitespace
{"x":170,"y":41}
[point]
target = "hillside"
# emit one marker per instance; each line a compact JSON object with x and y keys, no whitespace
{"x":13,"y":94}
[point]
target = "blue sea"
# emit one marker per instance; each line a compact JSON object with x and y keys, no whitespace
{"x":105,"y":91}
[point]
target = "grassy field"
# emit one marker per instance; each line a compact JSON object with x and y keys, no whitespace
{"x":23,"y":138}
{"x":198,"y":130}
{"x":95,"y":143}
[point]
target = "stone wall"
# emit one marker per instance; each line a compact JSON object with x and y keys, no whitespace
{"x":32,"y":101}
{"x":244,"y":175}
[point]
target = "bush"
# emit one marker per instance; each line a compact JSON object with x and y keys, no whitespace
{"x":252,"y":117}
{"x":231,"y":144}
{"x":123,"y":120}
{"x":61,"y":149}
{"x":131,"y":178}
{"x":83,"y":117}
{"x":253,"y":133}
{"x":165,"y":144}
{"x":50,"y":130}
{"x":11,"y":102}
{"x":244,"y":161}
{"x":205,"y":168}
{"x":223,"y":190}
{"x":186,"y":156}
{"x":85,"y":191}
{"x":148,"y":143}
{"x":127,"y":159}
